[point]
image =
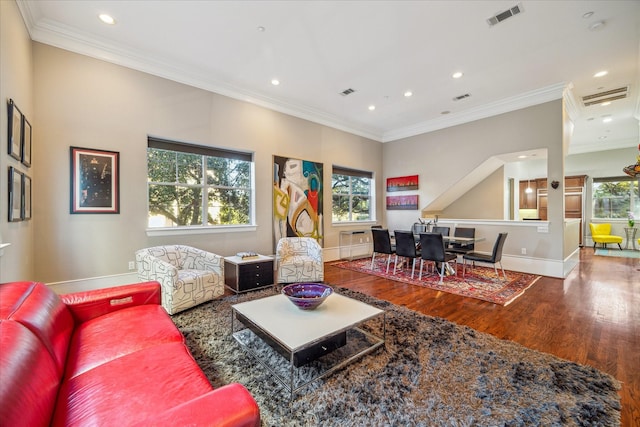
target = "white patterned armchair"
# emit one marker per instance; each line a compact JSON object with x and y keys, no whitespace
{"x":188,"y":276}
{"x":299,"y":260}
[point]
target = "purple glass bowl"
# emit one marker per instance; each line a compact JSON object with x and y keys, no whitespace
{"x":307,"y":296}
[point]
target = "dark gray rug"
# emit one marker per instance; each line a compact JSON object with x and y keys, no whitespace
{"x":431,"y":372}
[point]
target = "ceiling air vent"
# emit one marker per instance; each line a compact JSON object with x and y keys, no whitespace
{"x":606,"y":96}
{"x":499,"y":17}
{"x":347,"y":92}
{"x":460,"y":97}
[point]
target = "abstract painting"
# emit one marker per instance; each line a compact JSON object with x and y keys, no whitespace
{"x":297,"y":199}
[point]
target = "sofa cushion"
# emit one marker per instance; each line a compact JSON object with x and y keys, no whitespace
{"x":100,"y":340}
{"x":29,"y":377}
{"x":131,"y":388}
{"x":39,"y":309}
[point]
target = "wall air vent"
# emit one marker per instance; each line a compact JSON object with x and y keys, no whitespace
{"x":347,"y":92}
{"x":499,"y":17}
{"x":461,"y":97}
{"x":606,"y":96}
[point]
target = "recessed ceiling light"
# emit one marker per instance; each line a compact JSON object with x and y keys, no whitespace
{"x":457,"y":75}
{"x":601,"y":73}
{"x":408,"y":93}
{"x":372,"y":107}
{"x":596,"y":25}
{"x":275,"y":82}
{"x":261,"y":29}
{"x":607,"y":120}
{"x":604,"y":104}
{"x":587,"y":15}
{"x":602,"y":137}
{"x":107,"y":19}
{"x":522,"y":156}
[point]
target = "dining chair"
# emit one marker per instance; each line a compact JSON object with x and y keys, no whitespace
{"x":406,"y":247}
{"x":442,"y":230}
{"x":494,"y":258}
{"x":419,"y":227}
{"x":433,"y":250}
{"x":462,"y":248}
{"x":381,"y":245}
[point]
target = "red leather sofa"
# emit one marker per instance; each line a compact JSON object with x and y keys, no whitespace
{"x":105,"y":357}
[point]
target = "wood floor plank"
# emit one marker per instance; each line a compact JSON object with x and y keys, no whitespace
{"x":592,"y":317}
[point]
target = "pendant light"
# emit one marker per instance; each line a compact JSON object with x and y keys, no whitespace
{"x":528,"y":190}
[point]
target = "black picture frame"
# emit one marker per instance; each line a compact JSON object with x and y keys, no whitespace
{"x":25,"y":146}
{"x":14,"y":137}
{"x":15,"y":195}
{"x":26,"y":197}
{"x":95,"y":181}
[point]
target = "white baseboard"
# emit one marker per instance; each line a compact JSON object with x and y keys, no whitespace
{"x":92,"y":283}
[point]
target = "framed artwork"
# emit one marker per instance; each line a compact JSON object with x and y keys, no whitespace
{"x":402,"y":203}
{"x":95,"y":182}
{"x":15,"y":195}
{"x":15,"y":130}
{"x":402,"y":183}
{"x":26,"y":142}
{"x":26,"y":197}
{"x":297,"y":199}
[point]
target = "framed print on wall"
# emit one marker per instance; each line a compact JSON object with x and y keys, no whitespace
{"x":26,"y":197}
{"x":95,"y":182}
{"x":405,"y":203}
{"x":15,"y":130}
{"x":15,"y":195}
{"x":26,"y":142}
{"x":402,"y":183}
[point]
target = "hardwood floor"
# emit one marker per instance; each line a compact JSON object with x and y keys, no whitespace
{"x":592,"y":317}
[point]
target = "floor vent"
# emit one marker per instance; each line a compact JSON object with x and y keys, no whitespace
{"x":347,"y":92}
{"x":606,"y":96}
{"x":499,"y":17}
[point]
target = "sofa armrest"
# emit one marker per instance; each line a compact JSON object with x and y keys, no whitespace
{"x":90,"y":304}
{"x":228,"y":406}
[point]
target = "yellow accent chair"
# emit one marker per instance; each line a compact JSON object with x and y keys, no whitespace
{"x":601,"y":233}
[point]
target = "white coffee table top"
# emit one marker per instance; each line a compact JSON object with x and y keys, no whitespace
{"x":295,"y":328}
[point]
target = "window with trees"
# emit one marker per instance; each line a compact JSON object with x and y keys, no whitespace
{"x":352,"y":195}
{"x":615,"y":198}
{"x":195,"y":186}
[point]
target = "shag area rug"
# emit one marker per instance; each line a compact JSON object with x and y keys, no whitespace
{"x":431,"y":372}
{"x":625,"y":253}
{"x":480,"y":282}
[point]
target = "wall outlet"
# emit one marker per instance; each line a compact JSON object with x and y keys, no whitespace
{"x":361,"y":240}
{"x":132,"y":265}
{"x":524,"y":251}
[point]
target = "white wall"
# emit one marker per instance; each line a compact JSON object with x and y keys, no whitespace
{"x":16,"y":82}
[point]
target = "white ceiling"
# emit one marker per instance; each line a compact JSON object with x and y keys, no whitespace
{"x":381,"y":49}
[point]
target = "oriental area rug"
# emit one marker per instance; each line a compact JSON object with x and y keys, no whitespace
{"x":430,"y":372}
{"x":480,"y":282}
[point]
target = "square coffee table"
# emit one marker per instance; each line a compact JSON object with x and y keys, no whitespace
{"x":314,"y":343}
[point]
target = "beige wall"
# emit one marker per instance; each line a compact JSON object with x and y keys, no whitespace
{"x":484,"y":201}
{"x":443,"y":157}
{"x":16,"y":82}
{"x":94,"y":104}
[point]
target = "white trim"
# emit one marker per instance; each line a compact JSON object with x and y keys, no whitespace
{"x":92,"y":283}
{"x":184,"y":231}
{"x":535,"y":97}
{"x":55,"y":34}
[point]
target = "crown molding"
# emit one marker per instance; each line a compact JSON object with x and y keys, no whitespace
{"x":528,"y":99}
{"x":67,"y":38}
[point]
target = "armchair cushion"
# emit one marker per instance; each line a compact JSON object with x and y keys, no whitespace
{"x":188,"y":276}
{"x":299,"y":260}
